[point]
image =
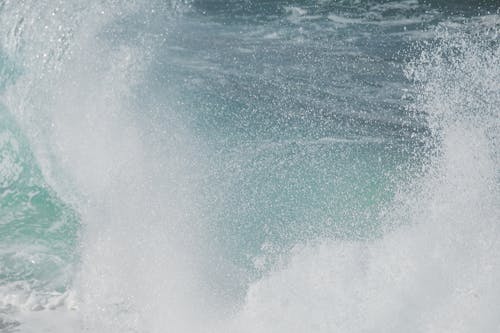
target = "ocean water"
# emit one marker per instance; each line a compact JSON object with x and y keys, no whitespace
{"x":249,"y":166}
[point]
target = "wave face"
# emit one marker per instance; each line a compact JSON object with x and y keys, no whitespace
{"x":249,"y":166}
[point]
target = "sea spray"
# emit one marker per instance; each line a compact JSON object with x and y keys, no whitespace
{"x":436,"y":270}
{"x":155,"y":168}
{"x":75,"y":103}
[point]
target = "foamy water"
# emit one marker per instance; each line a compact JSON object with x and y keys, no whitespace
{"x":169,"y":167}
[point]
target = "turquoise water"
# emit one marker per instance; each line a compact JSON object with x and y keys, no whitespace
{"x":39,"y":231}
{"x":249,"y":166}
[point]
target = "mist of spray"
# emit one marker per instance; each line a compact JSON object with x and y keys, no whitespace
{"x":436,"y":267}
{"x":134,"y":185}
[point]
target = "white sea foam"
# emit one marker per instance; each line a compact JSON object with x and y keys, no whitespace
{"x":132,"y":188}
{"x":435,"y":270}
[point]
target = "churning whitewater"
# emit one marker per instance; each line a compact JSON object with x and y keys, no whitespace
{"x":249,"y":166}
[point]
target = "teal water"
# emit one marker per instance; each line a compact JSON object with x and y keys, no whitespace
{"x":39,"y":231}
{"x":249,"y":166}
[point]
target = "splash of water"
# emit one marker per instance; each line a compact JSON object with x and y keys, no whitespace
{"x":134,"y":186}
{"x":436,"y":268}
{"x":132,"y":189}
